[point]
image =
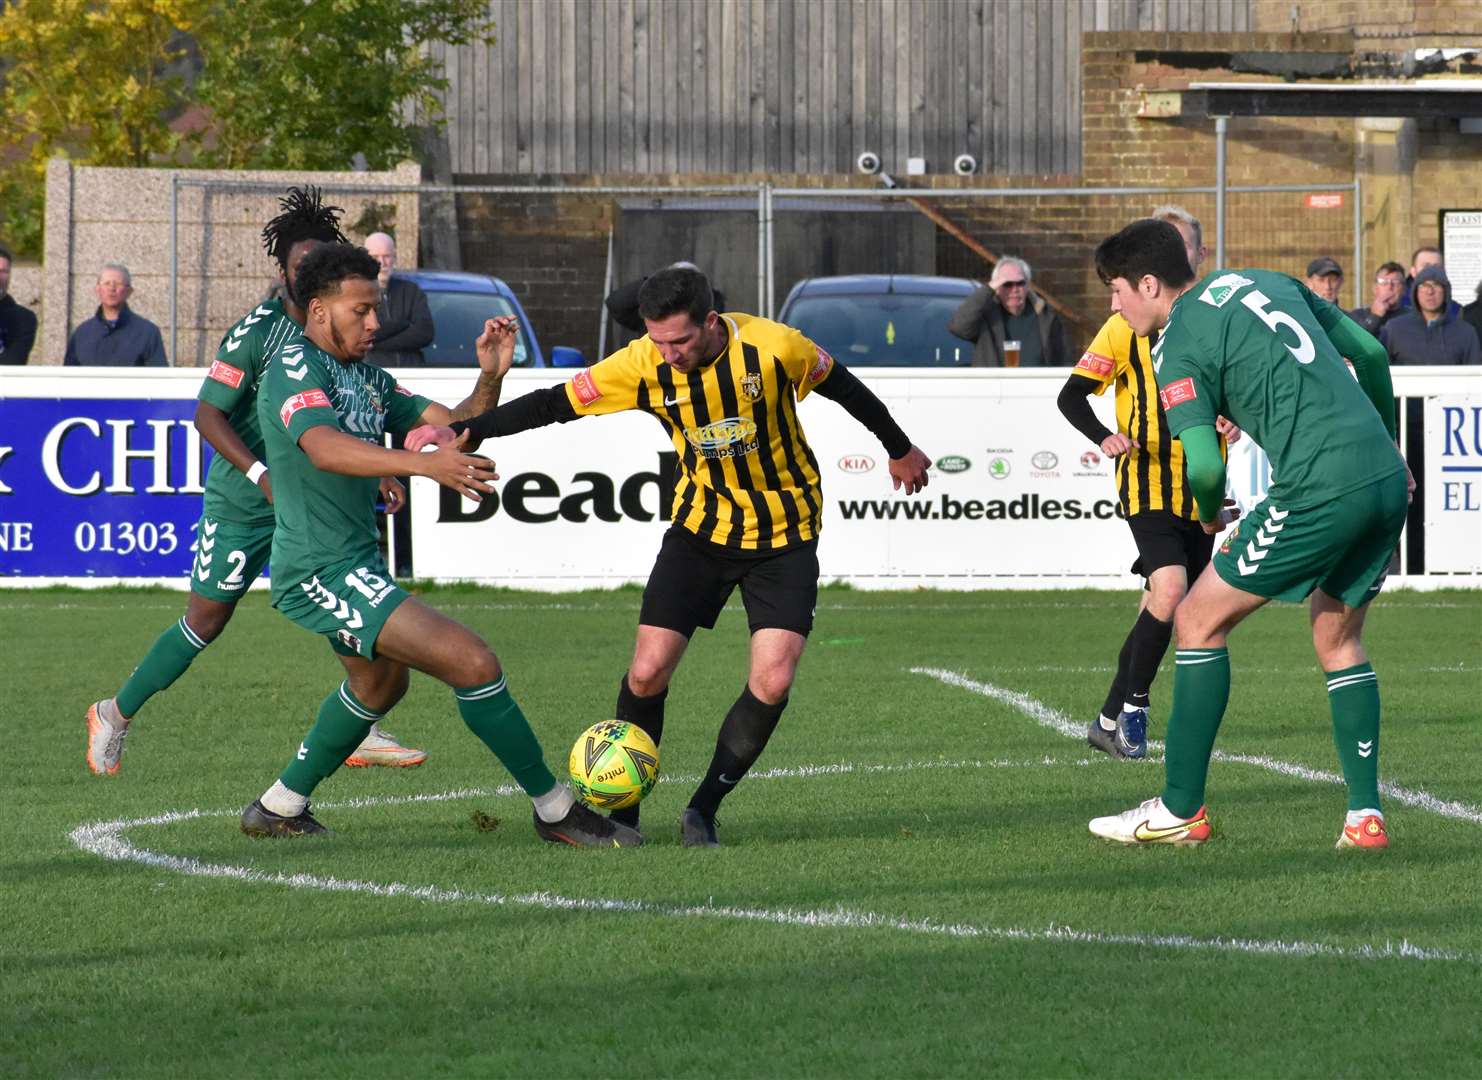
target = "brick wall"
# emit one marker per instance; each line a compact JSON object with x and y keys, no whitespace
{"x":1423,"y":22}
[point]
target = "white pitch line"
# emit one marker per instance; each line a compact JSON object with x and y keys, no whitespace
{"x":105,"y":840}
{"x":1055,"y":720}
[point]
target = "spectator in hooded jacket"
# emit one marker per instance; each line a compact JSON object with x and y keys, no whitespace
{"x":1432,"y":331}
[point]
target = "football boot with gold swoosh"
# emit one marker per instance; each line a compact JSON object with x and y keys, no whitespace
{"x":1153,"y":823}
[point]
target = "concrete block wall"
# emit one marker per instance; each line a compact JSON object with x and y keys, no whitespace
{"x":98,"y":215}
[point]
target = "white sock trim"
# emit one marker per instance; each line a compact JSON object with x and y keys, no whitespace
{"x":554,"y":804}
{"x":282,"y":801}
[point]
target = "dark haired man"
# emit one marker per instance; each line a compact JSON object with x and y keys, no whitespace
{"x":324,"y":413}
{"x":747,"y":502}
{"x":235,"y":531}
{"x":17,"y":323}
{"x":1262,"y":349}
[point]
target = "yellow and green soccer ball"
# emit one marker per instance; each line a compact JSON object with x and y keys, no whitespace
{"x":613,"y":765}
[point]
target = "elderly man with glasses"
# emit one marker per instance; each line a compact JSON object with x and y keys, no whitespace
{"x":1009,"y":325}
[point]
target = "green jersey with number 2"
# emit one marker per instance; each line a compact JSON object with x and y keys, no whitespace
{"x":1249,"y":345}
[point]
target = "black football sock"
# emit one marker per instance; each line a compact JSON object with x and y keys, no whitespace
{"x":1149,"y":640}
{"x":1118,"y":692}
{"x":742,"y":739}
{"x":647,"y":713}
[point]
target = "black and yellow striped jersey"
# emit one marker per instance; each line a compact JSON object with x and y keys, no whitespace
{"x":747,"y":479}
{"x":1151,"y":475}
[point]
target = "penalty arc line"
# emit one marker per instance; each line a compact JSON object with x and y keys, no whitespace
{"x":105,"y":840}
{"x":1057,"y":721}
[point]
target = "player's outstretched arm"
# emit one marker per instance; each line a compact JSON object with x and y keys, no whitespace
{"x":1205,"y":467}
{"x":495,"y":349}
{"x":217,"y":430}
{"x":333,"y":451}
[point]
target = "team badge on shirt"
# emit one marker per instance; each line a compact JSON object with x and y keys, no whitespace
{"x":751,"y":385}
{"x":1176,"y":393}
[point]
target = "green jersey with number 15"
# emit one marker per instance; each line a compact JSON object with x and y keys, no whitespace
{"x":1249,"y":345}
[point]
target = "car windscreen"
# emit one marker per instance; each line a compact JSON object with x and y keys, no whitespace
{"x":458,"y":320}
{"x":883,"y":329}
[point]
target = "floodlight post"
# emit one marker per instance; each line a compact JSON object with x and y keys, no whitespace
{"x":1221,"y":124}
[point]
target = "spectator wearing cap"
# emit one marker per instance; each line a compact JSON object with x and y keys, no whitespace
{"x":17,"y":323}
{"x":1009,"y":325}
{"x":1432,"y":332}
{"x":1325,"y":277}
{"x":115,"y":336}
{"x":1389,"y":286}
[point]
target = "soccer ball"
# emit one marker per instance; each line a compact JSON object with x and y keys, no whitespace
{"x":613,"y":765}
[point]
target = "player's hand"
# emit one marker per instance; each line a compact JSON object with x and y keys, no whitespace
{"x":1409,"y":483}
{"x":1116,"y":444}
{"x":496,"y":345}
{"x":393,"y":494}
{"x":1212,"y":528}
{"x":470,"y":475}
{"x":432,"y":435}
{"x":909,"y":471}
{"x":1229,"y":429}
{"x":1229,"y":513}
{"x":266,"y":486}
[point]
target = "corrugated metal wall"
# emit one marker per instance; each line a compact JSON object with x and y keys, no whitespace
{"x":786,"y":86}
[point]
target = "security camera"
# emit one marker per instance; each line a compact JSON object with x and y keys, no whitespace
{"x":964,"y":165}
{"x":868,"y":163}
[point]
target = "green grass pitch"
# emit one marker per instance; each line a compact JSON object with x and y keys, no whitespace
{"x":907,"y":886}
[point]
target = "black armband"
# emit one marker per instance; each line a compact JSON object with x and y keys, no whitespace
{"x":860,"y":402}
{"x":1075,"y":406}
{"x":538,"y":408}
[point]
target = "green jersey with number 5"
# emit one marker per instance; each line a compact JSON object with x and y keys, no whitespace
{"x":1249,"y":345}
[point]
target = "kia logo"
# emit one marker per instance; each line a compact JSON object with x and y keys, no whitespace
{"x":856,"y":463}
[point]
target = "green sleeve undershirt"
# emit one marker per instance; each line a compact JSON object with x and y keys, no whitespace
{"x":1205,"y":466}
{"x":1370,"y":361}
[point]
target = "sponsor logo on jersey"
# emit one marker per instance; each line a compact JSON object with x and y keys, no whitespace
{"x":1177,"y":392}
{"x":1218,"y":292}
{"x":856,"y":463}
{"x":404,"y":391}
{"x":225,"y":373}
{"x":821,"y":367}
{"x":731,"y":437}
{"x":1095,"y":363}
{"x":585,"y":388}
{"x":751,"y":385}
{"x":953,"y":463}
{"x":309,"y":399}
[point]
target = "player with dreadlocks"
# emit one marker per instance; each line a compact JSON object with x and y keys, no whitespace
{"x":235,"y":534}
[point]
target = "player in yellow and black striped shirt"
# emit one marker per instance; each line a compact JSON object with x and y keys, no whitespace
{"x":1172,"y":547}
{"x":747,"y":501}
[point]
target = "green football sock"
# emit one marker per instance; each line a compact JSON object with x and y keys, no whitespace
{"x":166,"y":660}
{"x":1353,"y":695}
{"x":491,"y":714}
{"x":1201,"y":690}
{"x":338,"y":729}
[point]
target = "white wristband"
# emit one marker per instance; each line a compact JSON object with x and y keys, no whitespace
{"x":254,"y":473}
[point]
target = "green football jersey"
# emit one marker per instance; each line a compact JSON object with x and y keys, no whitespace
{"x":231,"y":386}
{"x":1248,"y":345}
{"x":324,"y":517}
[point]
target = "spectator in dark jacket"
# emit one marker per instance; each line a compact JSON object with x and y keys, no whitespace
{"x":1325,"y":277}
{"x":622,"y":302}
{"x":1006,"y":310}
{"x":17,"y":324}
{"x":115,"y":336}
{"x":1389,"y":286}
{"x":1432,"y":332}
{"x":406,"y":320}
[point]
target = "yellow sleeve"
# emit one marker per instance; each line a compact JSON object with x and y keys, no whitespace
{"x":610,"y":385}
{"x":1099,"y":362}
{"x":807,"y":364}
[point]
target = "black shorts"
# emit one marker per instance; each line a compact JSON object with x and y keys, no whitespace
{"x":692,"y":579}
{"x":1165,"y":539}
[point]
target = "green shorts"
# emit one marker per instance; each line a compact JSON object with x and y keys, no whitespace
{"x":229,"y":557}
{"x":348,"y":603}
{"x":1342,"y":546}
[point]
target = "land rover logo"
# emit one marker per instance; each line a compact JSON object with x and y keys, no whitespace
{"x":1044,"y":460}
{"x":953,"y":463}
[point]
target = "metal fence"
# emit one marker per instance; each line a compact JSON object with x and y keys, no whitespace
{"x":563,"y":248}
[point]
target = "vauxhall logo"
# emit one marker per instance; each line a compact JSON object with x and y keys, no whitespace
{"x":536,"y":498}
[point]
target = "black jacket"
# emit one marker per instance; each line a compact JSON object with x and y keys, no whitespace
{"x":132,"y":341}
{"x":17,"y":331}
{"x":406,"y":325}
{"x":1448,"y":340}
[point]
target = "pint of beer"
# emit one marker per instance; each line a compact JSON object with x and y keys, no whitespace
{"x":1010,"y":354}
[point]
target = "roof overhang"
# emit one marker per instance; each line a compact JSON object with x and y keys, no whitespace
{"x":1421,"y":98}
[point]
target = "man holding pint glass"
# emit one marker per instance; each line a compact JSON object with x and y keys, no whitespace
{"x":1009,"y":325}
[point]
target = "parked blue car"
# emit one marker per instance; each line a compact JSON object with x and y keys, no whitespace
{"x":881,"y":320}
{"x":460,"y":303}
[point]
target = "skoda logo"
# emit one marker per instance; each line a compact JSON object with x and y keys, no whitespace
{"x":856,"y":463}
{"x":953,"y":463}
{"x":1044,"y":460}
{"x":999,"y":468}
